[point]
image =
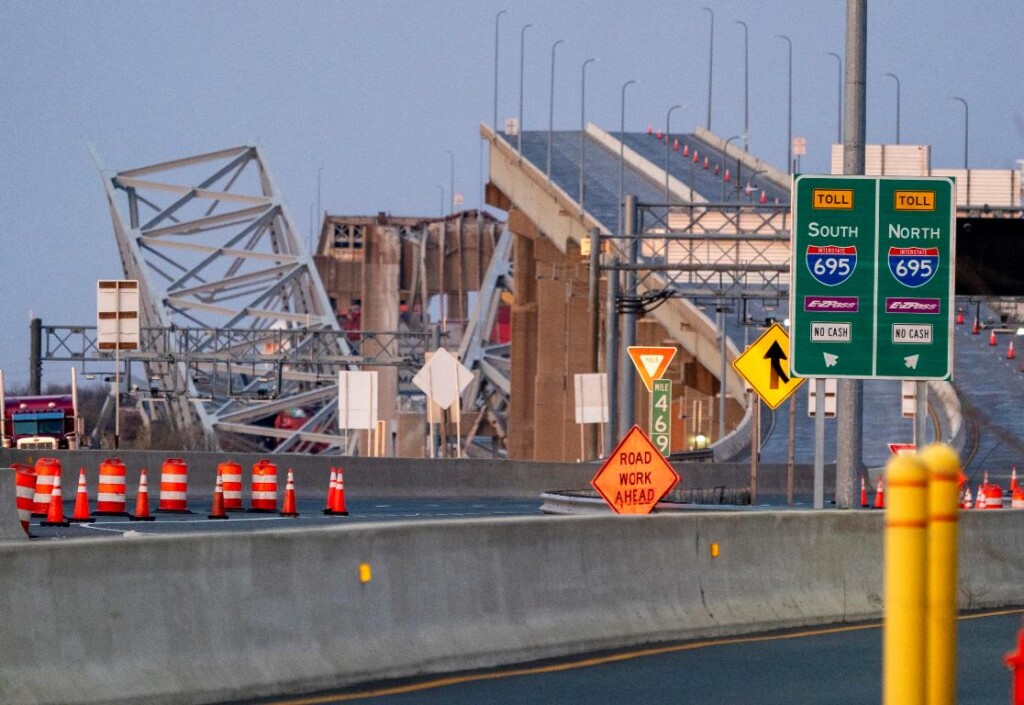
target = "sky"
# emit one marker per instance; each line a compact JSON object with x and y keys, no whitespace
{"x":365,"y":98}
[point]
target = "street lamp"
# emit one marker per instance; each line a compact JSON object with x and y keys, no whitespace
{"x":451,"y":178}
{"x":725,"y":157}
{"x":839,"y":104}
{"x":551,"y":105}
{"x":711,"y":59}
{"x":897,"y":79}
{"x":668,"y":131}
{"x":583,"y":123}
{"x":522,"y":52}
{"x":622,"y":156}
{"x":497,"y":18}
{"x":789,"y":122}
{"x":967,"y":119}
{"x":967,"y":116}
{"x":746,"y":86}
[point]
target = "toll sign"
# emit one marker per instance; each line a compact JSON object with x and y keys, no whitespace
{"x":636,"y":476}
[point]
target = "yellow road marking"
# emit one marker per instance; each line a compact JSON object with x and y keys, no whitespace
{"x":599,"y":661}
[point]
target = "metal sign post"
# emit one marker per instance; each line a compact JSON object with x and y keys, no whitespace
{"x":117,"y":328}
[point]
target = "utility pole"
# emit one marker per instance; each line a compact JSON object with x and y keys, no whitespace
{"x":850,"y":408}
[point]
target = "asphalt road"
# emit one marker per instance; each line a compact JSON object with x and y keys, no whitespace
{"x":827,"y":666}
{"x":310,"y":515}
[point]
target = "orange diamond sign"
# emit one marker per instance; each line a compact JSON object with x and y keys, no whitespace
{"x":636,"y":476}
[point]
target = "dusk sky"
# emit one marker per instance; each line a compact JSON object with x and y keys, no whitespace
{"x":371,"y":94}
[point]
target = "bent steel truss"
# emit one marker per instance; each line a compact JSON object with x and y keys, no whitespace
{"x":217,"y":253}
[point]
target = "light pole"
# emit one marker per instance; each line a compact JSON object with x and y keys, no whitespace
{"x":746,"y":87}
{"x":583,"y":124}
{"x":522,"y":55}
{"x":967,"y":117}
{"x":711,"y":59}
{"x":622,"y":156}
{"x":789,"y":119}
{"x":451,"y":179}
{"x":967,"y":122}
{"x":725,"y":158}
{"x":497,"y":19}
{"x":897,"y":79}
{"x":319,"y":213}
{"x":551,"y":104}
{"x":668,"y":130}
{"x":839,"y":104}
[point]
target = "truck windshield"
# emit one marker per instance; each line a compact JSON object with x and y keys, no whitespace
{"x":47,"y":423}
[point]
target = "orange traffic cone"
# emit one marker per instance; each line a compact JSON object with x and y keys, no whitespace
{"x":332,"y":488}
{"x":974,"y":329}
{"x":959,"y":317}
{"x":142,"y":500}
{"x":966,"y":502}
{"x":863,"y":493}
{"x":992,"y":338}
{"x":1014,"y":485}
{"x":218,"y":511}
{"x":880,"y":495}
{"x":55,"y":515}
{"x":1009,"y":352}
{"x":339,"y":495}
{"x":81,"y":501}
{"x":979,"y":500}
{"x":289,"y":509}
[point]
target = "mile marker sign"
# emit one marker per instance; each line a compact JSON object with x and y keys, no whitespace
{"x":636,"y":476}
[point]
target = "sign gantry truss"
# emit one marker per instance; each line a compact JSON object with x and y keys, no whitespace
{"x":211,"y":240}
{"x":707,"y":250}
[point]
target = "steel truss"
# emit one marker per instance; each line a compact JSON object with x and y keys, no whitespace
{"x":241,"y":327}
{"x":703,"y":251}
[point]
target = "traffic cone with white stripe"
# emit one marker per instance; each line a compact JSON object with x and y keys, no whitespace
{"x":142,"y":500}
{"x":289,"y":509}
{"x":1014,"y":485}
{"x":338,"y":508}
{"x":992,"y":338}
{"x":959,"y":317}
{"x":974,"y":329}
{"x":332,"y":488}
{"x":863,"y":493}
{"x":218,"y":511}
{"x":81,"y":514}
{"x":1009,"y":352}
{"x":880,"y":495}
{"x":965,"y":503}
{"x":55,"y":515}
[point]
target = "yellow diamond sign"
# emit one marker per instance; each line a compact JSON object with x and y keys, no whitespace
{"x":765,"y":366}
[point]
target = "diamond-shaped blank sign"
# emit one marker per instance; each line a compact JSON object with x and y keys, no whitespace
{"x":443,"y":378}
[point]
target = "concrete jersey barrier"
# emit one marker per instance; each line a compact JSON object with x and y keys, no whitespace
{"x":207,"y":618}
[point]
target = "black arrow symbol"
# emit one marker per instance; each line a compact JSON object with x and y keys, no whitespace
{"x":776,"y":355}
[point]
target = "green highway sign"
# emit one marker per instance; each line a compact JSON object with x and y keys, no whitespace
{"x":871,"y":277}
{"x":661,"y":415}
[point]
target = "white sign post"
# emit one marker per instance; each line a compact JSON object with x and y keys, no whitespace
{"x":442,"y":379}
{"x":117,"y":328}
{"x":357,"y":402}
{"x":591,"y":404}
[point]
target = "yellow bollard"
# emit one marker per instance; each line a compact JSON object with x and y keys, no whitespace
{"x":903,"y":638}
{"x":943,"y":514}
